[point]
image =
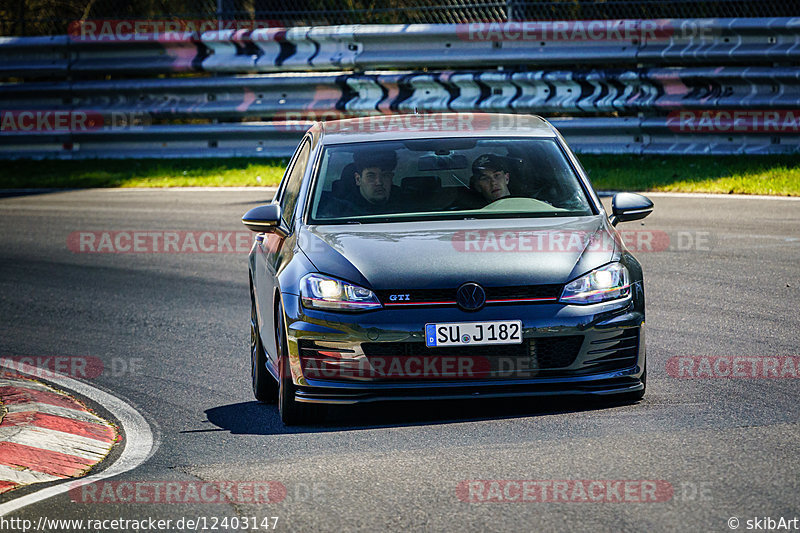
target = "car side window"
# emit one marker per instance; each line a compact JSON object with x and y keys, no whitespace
{"x":294,"y":180}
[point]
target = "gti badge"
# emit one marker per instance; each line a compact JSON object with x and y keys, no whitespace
{"x":399,"y":297}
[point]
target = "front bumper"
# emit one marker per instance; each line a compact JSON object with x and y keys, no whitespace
{"x":608,"y":358}
{"x":469,"y":390}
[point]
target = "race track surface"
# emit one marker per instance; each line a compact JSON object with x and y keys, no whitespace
{"x":171,"y":330}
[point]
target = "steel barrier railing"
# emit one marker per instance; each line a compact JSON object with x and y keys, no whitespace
{"x":682,"y":42}
{"x":635,"y":86}
{"x":330,"y":95}
{"x":629,"y":135}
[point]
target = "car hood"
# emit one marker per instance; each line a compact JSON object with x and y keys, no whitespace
{"x":445,"y":254}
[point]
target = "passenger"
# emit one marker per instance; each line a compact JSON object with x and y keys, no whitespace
{"x":490,"y":177}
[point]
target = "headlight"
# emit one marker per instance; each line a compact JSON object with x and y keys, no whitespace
{"x":323,"y":292}
{"x":610,"y":282}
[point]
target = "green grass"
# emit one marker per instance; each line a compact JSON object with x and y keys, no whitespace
{"x":142,"y":173}
{"x":773,"y":175}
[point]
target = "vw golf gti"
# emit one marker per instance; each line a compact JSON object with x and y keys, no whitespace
{"x":416,"y":257}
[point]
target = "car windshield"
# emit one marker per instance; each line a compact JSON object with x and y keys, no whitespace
{"x":423,"y":179}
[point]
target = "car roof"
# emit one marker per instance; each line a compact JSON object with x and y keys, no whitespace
{"x":433,"y":125}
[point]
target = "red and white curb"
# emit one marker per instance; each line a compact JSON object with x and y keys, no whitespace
{"x":139,"y":443}
{"x":47,"y":435}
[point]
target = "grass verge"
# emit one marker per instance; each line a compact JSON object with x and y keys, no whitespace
{"x":772,"y":175}
{"x":745,"y":174}
{"x":142,"y":173}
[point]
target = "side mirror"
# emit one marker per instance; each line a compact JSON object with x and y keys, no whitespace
{"x":264,"y":218}
{"x":627,"y":206}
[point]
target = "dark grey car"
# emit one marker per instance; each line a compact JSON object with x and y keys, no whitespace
{"x":441,"y":256}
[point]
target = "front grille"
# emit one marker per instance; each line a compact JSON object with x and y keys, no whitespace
{"x":550,"y":352}
{"x":432,"y":296}
{"x":526,"y":291}
{"x":533,"y":357}
{"x":418,"y":349}
{"x":557,"y":352}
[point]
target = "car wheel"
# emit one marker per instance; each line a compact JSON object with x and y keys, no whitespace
{"x":265,"y":388}
{"x":292,"y":412}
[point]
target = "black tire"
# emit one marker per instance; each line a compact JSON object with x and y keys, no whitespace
{"x":292,"y":412}
{"x":265,"y":388}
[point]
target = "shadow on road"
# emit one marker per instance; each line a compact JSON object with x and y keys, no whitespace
{"x":13,"y":193}
{"x":253,"y":418}
{"x":262,"y":201}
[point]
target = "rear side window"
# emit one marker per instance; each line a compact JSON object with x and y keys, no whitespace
{"x":294,"y":180}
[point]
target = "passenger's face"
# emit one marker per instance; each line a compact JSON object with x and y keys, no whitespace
{"x":375,"y":184}
{"x":492,"y":184}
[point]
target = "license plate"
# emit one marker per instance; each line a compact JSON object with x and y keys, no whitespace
{"x":471,"y":333}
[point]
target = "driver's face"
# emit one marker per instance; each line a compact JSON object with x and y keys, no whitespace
{"x":375,"y":184}
{"x":492,"y":184}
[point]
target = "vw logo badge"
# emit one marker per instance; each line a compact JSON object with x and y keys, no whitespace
{"x":470,"y":297}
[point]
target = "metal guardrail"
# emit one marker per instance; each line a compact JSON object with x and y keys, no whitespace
{"x":600,"y":135}
{"x":27,"y":57}
{"x":330,"y":95}
{"x":368,"y":47}
{"x":686,"y":86}
{"x":172,"y":141}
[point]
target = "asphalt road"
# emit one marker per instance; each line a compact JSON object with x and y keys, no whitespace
{"x":173,"y":327}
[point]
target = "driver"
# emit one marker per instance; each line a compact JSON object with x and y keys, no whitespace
{"x":490,"y":177}
{"x":374,"y":176}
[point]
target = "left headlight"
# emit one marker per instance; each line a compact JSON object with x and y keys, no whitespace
{"x":323,"y":292}
{"x":610,"y":282}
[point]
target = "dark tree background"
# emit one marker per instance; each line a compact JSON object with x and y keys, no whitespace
{"x":51,"y":17}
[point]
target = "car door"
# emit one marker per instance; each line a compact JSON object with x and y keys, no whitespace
{"x":274,"y":251}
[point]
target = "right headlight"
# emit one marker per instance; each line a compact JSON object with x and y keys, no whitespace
{"x":324,"y":292}
{"x":610,"y":282}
